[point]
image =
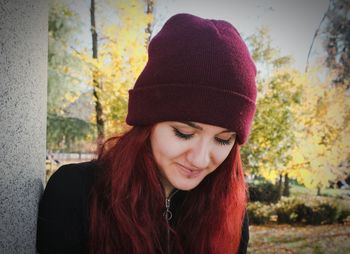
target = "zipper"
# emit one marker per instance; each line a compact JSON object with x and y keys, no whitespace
{"x":168,"y":215}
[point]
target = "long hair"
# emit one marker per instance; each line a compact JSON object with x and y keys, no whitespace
{"x":127,"y":203}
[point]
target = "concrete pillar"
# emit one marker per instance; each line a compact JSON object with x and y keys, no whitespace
{"x":23,"y":88}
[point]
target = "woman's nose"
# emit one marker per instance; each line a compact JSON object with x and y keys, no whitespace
{"x":199,"y":155}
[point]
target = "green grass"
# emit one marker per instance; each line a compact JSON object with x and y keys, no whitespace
{"x":297,"y":190}
{"x":341,"y":197}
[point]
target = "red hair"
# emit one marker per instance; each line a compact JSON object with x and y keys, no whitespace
{"x":127,"y":203}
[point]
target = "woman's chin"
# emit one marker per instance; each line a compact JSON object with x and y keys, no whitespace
{"x":186,"y":185}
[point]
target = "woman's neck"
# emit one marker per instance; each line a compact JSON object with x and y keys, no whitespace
{"x":168,"y":188}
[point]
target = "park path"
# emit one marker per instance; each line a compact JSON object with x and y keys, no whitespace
{"x":299,"y":239}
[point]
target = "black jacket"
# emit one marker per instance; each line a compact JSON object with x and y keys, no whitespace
{"x":63,"y":211}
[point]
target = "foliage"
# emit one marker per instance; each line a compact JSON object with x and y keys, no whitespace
{"x":70,"y":131}
{"x":344,"y":215}
{"x":267,"y":57}
{"x":272,"y":135}
{"x":266,"y":153}
{"x":314,"y":212}
{"x":337,"y":40}
{"x":301,"y":128}
{"x":263,"y":192}
{"x":63,"y":85}
{"x":259,"y":213}
{"x":122,"y":56}
{"x":322,"y":133}
{"x":323,"y":116}
{"x":310,"y":211}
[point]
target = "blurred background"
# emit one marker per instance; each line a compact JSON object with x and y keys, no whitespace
{"x":297,"y":160}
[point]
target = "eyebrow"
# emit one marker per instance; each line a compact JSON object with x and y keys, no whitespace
{"x":193,"y":125}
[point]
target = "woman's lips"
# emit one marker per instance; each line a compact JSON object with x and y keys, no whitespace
{"x":188,"y":172}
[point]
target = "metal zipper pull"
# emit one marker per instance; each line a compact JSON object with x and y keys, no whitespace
{"x":168,"y":215}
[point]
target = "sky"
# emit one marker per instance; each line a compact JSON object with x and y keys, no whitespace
{"x":292,"y":24}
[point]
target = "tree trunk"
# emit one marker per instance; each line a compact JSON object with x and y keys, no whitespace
{"x":96,"y":84}
{"x":149,"y":28}
{"x":318,"y":190}
{"x":286,"y":186}
{"x":279,"y":187}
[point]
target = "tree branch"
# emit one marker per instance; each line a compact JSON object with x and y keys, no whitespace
{"x":315,"y":36}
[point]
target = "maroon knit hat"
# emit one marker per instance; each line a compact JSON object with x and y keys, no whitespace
{"x":198,"y":70}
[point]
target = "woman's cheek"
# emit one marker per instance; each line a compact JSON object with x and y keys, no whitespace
{"x":221,"y":154}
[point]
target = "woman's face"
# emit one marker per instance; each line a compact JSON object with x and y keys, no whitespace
{"x":186,"y":152}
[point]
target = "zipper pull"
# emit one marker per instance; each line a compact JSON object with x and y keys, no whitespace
{"x":168,"y":214}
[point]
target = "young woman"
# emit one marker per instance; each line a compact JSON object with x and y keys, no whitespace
{"x":174,"y":182}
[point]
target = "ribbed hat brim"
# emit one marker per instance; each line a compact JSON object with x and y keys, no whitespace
{"x":201,"y":104}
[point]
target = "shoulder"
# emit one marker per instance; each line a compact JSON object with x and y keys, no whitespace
{"x":73,"y":175}
{"x":63,"y":209}
{"x":68,"y":172}
{"x":71,"y":180}
{"x":67,"y":189}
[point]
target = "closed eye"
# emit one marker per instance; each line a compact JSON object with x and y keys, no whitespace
{"x":225,"y":141}
{"x":182,"y":135}
{"x":219,"y":141}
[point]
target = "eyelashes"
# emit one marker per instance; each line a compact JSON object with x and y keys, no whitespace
{"x":182,"y":135}
{"x":219,"y":141}
{"x":223,"y":141}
